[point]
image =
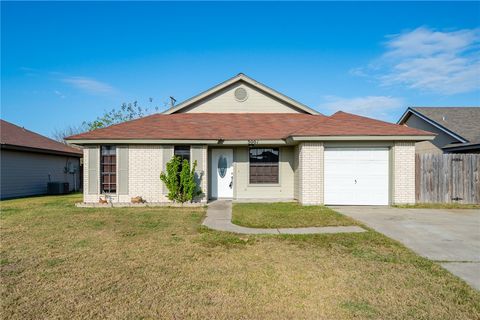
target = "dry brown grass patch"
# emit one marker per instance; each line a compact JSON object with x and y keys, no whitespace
{"x":58,"y":261}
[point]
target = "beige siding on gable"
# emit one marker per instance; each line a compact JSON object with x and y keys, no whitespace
{"x":281,"y":191}
{"x":257,"y":102}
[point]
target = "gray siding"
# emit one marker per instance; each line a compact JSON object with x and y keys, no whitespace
{"x":296,"y":173}
{"x":93,"y":170}
{"x":27,"y":173}
{"x":122,"y":170}
{"x":433,"y":146}
{"x":167,"y":156}
{"x":197,"y":154}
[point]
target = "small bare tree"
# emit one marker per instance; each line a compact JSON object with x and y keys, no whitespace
{"x":126,"y":112}
{"x":61,"y":134}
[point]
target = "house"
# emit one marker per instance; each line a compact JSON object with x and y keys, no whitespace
{"x":29,"y":161}
{"x":457,"y":128}
{"x":253,"y":143}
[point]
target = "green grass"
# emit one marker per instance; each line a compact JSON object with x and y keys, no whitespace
{"x":62,"y":262}
{"x":438,"y":206}
{"x":287,"y":215}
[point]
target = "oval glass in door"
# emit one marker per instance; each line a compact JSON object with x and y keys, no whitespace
{"x":222,"y":166}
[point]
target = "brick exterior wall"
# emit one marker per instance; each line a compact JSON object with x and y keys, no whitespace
{"x":404,"y":172}
{"x":310,"y":173}
{"x":145,"y":163}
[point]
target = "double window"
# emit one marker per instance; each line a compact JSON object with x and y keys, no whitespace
{"x":108,"y":169}
{"x":263,"y":165}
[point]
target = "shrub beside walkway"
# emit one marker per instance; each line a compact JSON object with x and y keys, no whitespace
{"x":219,"y":217}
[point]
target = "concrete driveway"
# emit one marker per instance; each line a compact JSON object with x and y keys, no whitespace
{"x":448,"y":236}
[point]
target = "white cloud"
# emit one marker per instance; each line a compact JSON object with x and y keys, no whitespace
{"x":370,"y":106}
{"x":58,"y":93}
{"x":429,"y":60}
{"x":89,"y":85}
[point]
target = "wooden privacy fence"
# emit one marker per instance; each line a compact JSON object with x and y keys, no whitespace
{"x":445,"y":178}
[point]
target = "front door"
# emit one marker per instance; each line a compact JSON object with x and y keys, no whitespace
{"x":222,"y":173}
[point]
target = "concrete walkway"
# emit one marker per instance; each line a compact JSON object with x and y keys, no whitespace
{"x":219,"y":217}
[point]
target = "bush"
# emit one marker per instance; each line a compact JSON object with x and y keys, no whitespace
{"x":181,"y":184}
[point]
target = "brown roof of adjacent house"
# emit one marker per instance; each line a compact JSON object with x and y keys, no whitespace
{"x":245,"y":126}
{"x":463,"y":121}
{"x":13,"y":136}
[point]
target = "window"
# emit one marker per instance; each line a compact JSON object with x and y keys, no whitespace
{"x":183,"y":152}
{"x":108,"y":169}
{"x":263,"y":165}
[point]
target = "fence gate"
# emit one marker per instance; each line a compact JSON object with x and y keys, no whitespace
{"x":444,"y":178}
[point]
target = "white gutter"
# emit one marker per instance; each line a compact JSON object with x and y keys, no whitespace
{"x":361,"y":138}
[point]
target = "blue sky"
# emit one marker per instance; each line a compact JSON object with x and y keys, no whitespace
{"x":63,"y":63}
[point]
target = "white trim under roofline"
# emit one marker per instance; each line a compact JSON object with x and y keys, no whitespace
{"x":432,"y":122}
{"x":252,"y":82}
{"x":288,"y":141}
{"x":140,"y":141}
{"x":177,"y":141}
{"x":361,"y":138}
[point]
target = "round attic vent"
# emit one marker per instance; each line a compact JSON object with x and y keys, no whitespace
{"x":241,"y":94}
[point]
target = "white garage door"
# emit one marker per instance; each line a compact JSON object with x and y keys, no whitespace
{"x":356,"y":176}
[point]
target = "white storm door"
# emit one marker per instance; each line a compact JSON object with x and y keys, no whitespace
{"x":222,"y":173}
{"x":357,"y":176}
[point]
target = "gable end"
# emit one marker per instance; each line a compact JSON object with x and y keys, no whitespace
{"x":241,"y":94}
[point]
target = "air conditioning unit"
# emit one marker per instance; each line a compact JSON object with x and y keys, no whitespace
{"x":57,"y":187}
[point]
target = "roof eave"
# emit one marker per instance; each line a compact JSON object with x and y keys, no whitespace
{"x":271,"y":141}
{"x":362,"y":138}
{"x":39,"y":150}
{"x":474,"y":146}
{"x":225,"y":142}
{"x":410,"y":110}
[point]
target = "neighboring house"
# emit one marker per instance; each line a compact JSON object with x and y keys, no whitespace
{"x":253,"y":143}
{"x":29,"y":161}
{"x":457,"y":129}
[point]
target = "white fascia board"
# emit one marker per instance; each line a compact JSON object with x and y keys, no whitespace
{"x":362,"y":138}
{"x":252,"y":142}
{"x":170,"y":141}
{"x":141,"y":141}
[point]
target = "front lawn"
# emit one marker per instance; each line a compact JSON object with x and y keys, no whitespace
{"x":438,"y":206}
{"x":287,"y":215}
{"x":63,"y":262}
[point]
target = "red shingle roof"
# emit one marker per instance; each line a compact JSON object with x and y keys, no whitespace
{"x":244,"y":126}
{"x":15,"y":136}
